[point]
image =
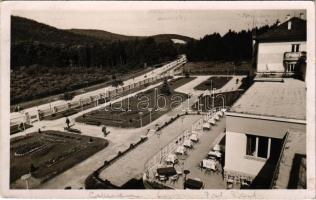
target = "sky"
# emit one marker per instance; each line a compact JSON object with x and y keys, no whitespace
{"x":192,"y":23}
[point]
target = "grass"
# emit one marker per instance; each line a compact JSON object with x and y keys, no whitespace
{"x":77,"y":109}
{"x":213,"y":82}
{"x":218,"y":67}
{"x":24,"y":84}
{"x":66,"y":149}
{"x":18,"y":128}
{"x":126,"y":113}
{"x":205,"y":102}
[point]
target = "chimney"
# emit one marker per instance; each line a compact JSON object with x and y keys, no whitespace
{"x":289,"y":23}
{"x":302,"y":15}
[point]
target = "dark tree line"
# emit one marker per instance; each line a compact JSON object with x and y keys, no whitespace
{"x":233,"y":46}
{"x":127,"y":54}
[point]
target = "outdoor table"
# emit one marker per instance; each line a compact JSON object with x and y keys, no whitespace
{"x":194,"y":138}
{"x":167,"y":171}
{"x":215,"y":153}
{"x":217,"y":147}
{"x":206,"y":126}
{"x":220,"y":113}
{"x":209,"y":164}
{"x":180,"y":150}
{"x":187,"y":143}
{"x":212,"y":121}
{"x":171,"y":158}
{"x":193,"y":184}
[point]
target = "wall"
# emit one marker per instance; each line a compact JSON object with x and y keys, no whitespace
{"x":235,"y":151}
{"x":261,"y":127}
{"x":271,"y":55}
{"x":236,"y":139}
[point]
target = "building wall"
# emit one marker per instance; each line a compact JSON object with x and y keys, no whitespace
{"x":270,"y":55}
{"x":235,"y":155}
{"x":236,"y":161}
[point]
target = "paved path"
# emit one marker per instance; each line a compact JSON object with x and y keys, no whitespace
{"x":198,"y":153}
{"x":150,"y":74}
{"x":120,"y":139}
{"x":132,"y":164}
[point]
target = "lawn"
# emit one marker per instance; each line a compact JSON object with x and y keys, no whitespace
{"x":127,"y":112}
{"x":50,"y":153}
{"x":213,"y":82}
{"x":218,"y":67}
{"x":206,"y":101}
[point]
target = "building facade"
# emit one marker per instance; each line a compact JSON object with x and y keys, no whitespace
{"x":282,"y":49}
{"x":259,"y":122}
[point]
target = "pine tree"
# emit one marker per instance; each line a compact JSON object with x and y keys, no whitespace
{"x":165,"y":89}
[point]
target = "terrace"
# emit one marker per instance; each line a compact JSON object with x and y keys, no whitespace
{"x":189,"y":161}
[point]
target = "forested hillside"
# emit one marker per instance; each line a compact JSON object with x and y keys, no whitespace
{"x":46,"y":60}
{"x":232,"y":46}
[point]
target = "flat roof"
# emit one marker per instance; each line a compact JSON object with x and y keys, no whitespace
{"x":285,"y":99}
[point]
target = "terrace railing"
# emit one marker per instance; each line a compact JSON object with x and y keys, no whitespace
{"x":277,"y":167}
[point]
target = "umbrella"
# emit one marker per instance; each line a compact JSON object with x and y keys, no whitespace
{"x":180,"y":150}
{"x":187,"y":143}
{"x":194,"y":137}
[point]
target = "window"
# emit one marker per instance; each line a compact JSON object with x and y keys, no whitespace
{"x":251,"y":145}
{"x":295,"y":47}
{"x":258,"y":146}
{"x":290,"y":67}
{"x":263,"y":147}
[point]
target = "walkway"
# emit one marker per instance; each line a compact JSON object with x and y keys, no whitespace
{"x":132,"y":164}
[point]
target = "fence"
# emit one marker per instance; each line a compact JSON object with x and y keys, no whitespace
{"x":157,"y":159}
{"x":95,"y":100}
{"x":154,"y":161}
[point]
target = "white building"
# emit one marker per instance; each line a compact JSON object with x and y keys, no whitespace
{"x":279,"y":50}
{"x":259,"y":122}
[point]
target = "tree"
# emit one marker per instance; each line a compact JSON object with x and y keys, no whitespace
{"x":32,"y":168}
{"x":186,"y":73}
{"x":165,"y":89}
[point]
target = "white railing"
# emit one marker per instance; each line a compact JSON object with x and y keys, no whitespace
{"x":110,"y":94}
{"x":153,"y":163}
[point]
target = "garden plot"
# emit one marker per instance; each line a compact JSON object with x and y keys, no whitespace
{"x":214,"y":82}
{"x":133,"y":111}
{"x":49,"y":153}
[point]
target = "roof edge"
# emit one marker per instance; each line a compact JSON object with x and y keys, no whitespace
{"x":281,"y":119}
